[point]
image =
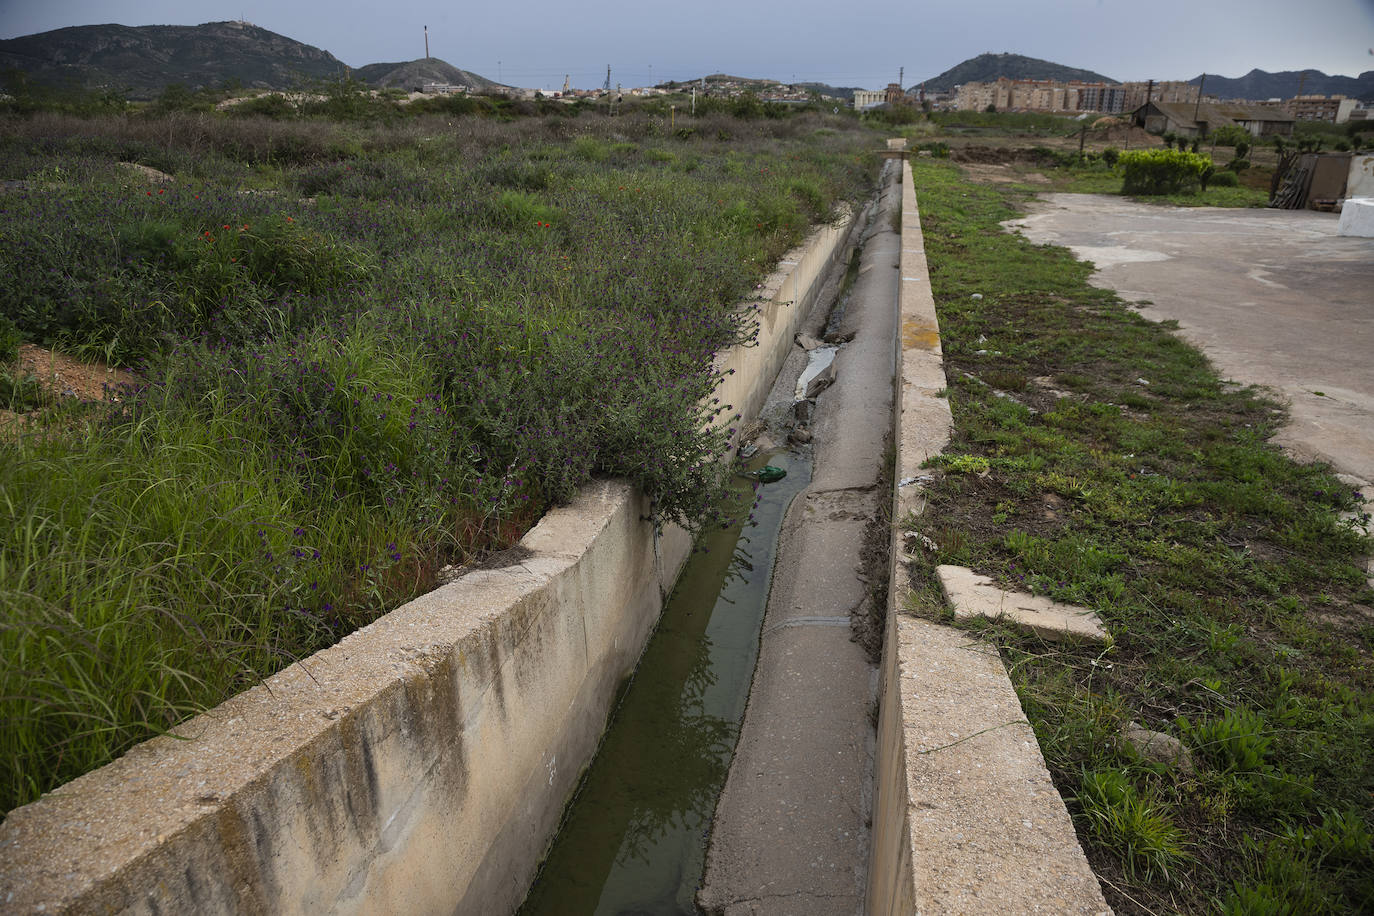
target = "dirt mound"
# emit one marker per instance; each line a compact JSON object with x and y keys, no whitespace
{"x":62,"y":376}
{"x":998,"y":155}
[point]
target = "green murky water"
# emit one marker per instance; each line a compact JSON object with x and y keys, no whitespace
{"x":634,"y":840}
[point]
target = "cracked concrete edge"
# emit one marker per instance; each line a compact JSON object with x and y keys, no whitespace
{"x":971,"y":595}
{"x":460,"y":721}
{"x":966,"y":818}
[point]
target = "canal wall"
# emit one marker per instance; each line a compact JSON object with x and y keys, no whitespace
{"x":966,"y":818}
{"x":422,"y":764}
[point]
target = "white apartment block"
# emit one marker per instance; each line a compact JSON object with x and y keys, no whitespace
{"x":1055,"y":96}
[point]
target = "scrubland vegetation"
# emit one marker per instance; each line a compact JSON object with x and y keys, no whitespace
{"x":365,"y":348}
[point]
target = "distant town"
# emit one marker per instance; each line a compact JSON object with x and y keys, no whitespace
{"x":1023,"y":95}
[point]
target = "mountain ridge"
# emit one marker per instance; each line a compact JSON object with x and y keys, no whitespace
{"x":141,"y":61}
{"x":1284,"y":84}
{"x":144,"y":60}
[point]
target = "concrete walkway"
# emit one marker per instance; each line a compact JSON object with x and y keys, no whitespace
{"x":791,"y":832}
{"x":1273,"y":297}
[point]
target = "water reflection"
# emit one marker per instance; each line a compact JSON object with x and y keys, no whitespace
{"x":635,"y":839}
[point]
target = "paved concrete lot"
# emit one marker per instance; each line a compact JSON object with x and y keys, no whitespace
{"x":1274,"y":297}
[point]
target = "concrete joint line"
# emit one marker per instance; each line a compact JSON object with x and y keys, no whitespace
{"x":811,"y":622}
{"x":857,"y":489}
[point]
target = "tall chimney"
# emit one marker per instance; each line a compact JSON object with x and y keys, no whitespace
{"x":426,"y":42}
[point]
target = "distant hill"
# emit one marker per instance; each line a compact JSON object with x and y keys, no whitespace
{"x":726,"y":81}
{"x":142,"y":60}
{"x":414,"y":74}
{"x":1258,"y":84}
{"x":987,"y":67}
{"x":838,"y":92}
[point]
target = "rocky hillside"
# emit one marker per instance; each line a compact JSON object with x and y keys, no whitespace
{"x":142,"y":60}
{"x":987,"y":67}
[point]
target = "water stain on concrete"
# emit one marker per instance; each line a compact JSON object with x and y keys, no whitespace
{"x":918,"y":335}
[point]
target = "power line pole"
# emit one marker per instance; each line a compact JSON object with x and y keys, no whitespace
{"x":607,"y":87}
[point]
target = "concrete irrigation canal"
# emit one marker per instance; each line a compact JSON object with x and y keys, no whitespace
{"x":761,"y":758}
{"x":793,"y":823}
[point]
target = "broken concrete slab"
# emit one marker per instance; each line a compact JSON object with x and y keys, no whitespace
{"x":822,"y":380}
{"x":972,"y":595}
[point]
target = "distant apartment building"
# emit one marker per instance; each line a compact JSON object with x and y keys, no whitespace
{"x":1101,"y":97}
{"x":1335,"y":109}
{"x":868,"y":98}
{"x":1064,"y":96}
{"x":1173,"y":92}
{"x":1018,"y":95}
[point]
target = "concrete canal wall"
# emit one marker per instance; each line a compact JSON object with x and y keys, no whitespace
{"x":419,"y":766}
{"x":966,"y":819}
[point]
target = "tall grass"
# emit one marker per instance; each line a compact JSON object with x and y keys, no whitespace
{"x":364,"y":353}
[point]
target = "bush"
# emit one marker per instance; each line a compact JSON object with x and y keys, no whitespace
{"x":1224,"y":180}
{"x":272,"y":105}
{"x":9,"y":340}
{"x":1231,"y":135}
{"x":1110,"y":155}
{"x":1161,"y":171}
{"x":20,"y":393}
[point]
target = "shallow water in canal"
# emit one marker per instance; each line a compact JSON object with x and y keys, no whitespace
{"x":634,"y":839}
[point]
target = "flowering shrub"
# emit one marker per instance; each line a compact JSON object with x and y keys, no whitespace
{"x":1162,"y":171}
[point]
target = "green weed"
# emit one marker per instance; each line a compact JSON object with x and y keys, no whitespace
{"x":1232,"y":589}
{"x":1132,"y":823}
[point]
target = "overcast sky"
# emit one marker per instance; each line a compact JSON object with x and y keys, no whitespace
{"x":534,"y":43}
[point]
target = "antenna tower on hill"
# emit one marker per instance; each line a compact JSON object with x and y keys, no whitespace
{"x":607,"y":87}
